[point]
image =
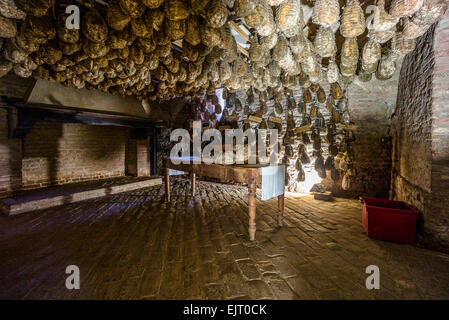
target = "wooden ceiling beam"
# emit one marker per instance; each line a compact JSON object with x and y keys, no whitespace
{"x":240,"y":31}
{"x":243,"y":50}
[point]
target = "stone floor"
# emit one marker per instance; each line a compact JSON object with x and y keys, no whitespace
{"x":136,"y":246}
{"x":48,"y":197}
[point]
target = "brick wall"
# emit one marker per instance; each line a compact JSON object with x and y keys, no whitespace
{"x":138,"y":161}
{"x":10,"y":159}
{"x":438,"y":228}
{"x":420,"y":130}
{"x":57,"y":153}
{"x":143,"y":157}
{"x":411,"y":130}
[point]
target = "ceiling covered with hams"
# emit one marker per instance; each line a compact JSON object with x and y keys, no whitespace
{"x":162,"y":49}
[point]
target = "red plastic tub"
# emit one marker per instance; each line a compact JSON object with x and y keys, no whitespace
{"x":389,"y":220}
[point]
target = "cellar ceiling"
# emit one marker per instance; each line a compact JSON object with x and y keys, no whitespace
{"x":164,"y":49}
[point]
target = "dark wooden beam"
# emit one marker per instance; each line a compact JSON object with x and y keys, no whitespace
{"x":73,"y":110}
{"x":22,"y":119}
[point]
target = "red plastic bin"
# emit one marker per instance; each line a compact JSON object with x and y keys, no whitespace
{"x":389,"y":220}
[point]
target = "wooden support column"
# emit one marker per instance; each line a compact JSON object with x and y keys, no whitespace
{"x":167,"y":183}
{"x":252,"y":208}
{"x":192,"y":182}
{"x":280,"y":209}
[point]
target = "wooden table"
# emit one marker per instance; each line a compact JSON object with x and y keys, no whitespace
{"x":250,"y":175}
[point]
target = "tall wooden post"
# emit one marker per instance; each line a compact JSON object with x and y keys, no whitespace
{"x":167,"y":183}
{"x":280,"y":209}
{"x":252,"y":208}
{"x":192,"y":182}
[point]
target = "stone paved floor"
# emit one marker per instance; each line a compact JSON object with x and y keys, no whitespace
{"x":134,"y":245}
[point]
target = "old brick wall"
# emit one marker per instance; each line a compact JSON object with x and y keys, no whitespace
{"x":57,"y":153}
{"x":10,"y":159}
{"x":420,"y":130}
{"x":438,"y":226}
{"x":138,"y":161}
{"x":143,"y":157}
{"x":411,"y":130}
{"x":131,"y":158}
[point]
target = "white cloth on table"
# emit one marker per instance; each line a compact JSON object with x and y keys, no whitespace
{"x":172,"y":172}
{"x":186,"y":160}
{"x":273,"y":181}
